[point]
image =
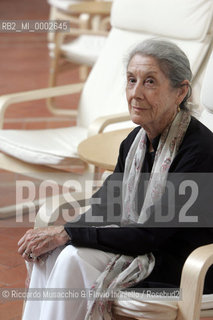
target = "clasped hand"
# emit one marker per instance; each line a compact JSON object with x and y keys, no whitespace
{"x":38,"y":242}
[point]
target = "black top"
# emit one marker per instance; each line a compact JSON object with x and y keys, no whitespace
{"x":174,"y":239}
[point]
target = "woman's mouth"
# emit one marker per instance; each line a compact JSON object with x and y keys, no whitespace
{"x":138,"y":108}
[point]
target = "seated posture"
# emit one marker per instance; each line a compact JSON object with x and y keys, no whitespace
{"x":161,"y":213}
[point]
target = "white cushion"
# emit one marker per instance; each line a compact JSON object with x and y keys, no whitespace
{"x":207,"y":96}
{"x":84,"y":49}
{"x":156,"y":310}
{"x":206,"y":91}
{"x":183,"y":19}
{"x":63,"y":4}
{"x":207,"y":119}
{"x":48,"y":147}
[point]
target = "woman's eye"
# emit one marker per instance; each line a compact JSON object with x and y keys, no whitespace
{"x":149,"y":82}
{"x":131,"y":80}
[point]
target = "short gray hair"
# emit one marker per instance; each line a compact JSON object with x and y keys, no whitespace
{"x":172,"y":61}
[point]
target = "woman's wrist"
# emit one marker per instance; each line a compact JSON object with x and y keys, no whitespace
{"x":63,"y":236}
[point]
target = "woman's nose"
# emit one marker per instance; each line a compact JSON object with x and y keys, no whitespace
{"x":138,"y":91}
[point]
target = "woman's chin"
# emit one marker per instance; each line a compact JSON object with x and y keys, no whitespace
{"x":137,"y":120}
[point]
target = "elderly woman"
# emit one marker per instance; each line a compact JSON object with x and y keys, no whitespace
{"x":167,"y":140}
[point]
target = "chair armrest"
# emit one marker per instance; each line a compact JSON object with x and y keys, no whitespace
{"x":8,"y":99}
{"x":192,"y":282}
{"x":60,"y":14}
{"x":101,"y":123}
{"x":80,"y":31}
{"x":49,"y":211}
{"x":91,"y":7}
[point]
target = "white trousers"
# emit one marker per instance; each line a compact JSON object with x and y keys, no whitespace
{"x":67,"y":267}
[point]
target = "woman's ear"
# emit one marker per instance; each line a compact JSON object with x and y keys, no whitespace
{"x":183,"y":90}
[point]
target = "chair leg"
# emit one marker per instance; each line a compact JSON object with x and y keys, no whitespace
{"x":52,"y":16}
{"x":83,"y":72}
{"x":54,"y":69}
{"x":54,"y":63}
{"x":20,"y":210}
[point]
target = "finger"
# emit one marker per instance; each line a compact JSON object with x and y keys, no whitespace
{"x":21,"y":240}
{"x":27,"y":233}
{"x":23,"y":247}
{"x":36,"y":246}
{"x":29,"y":241}
{"x":26,"y":256}
{"x":40,"y":249}
{"x":33,"y":254}
{"x":45,"y":245}
{"x":29,"y":256}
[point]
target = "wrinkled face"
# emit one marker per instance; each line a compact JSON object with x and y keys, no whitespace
{"x":151,"y":100}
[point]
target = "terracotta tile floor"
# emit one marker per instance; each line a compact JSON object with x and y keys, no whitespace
{"x":12,"y":271}
{"x":24,"y":65}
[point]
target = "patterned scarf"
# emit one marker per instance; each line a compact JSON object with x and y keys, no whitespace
{"x":168,"y":146}
{"x":125,"y":271}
